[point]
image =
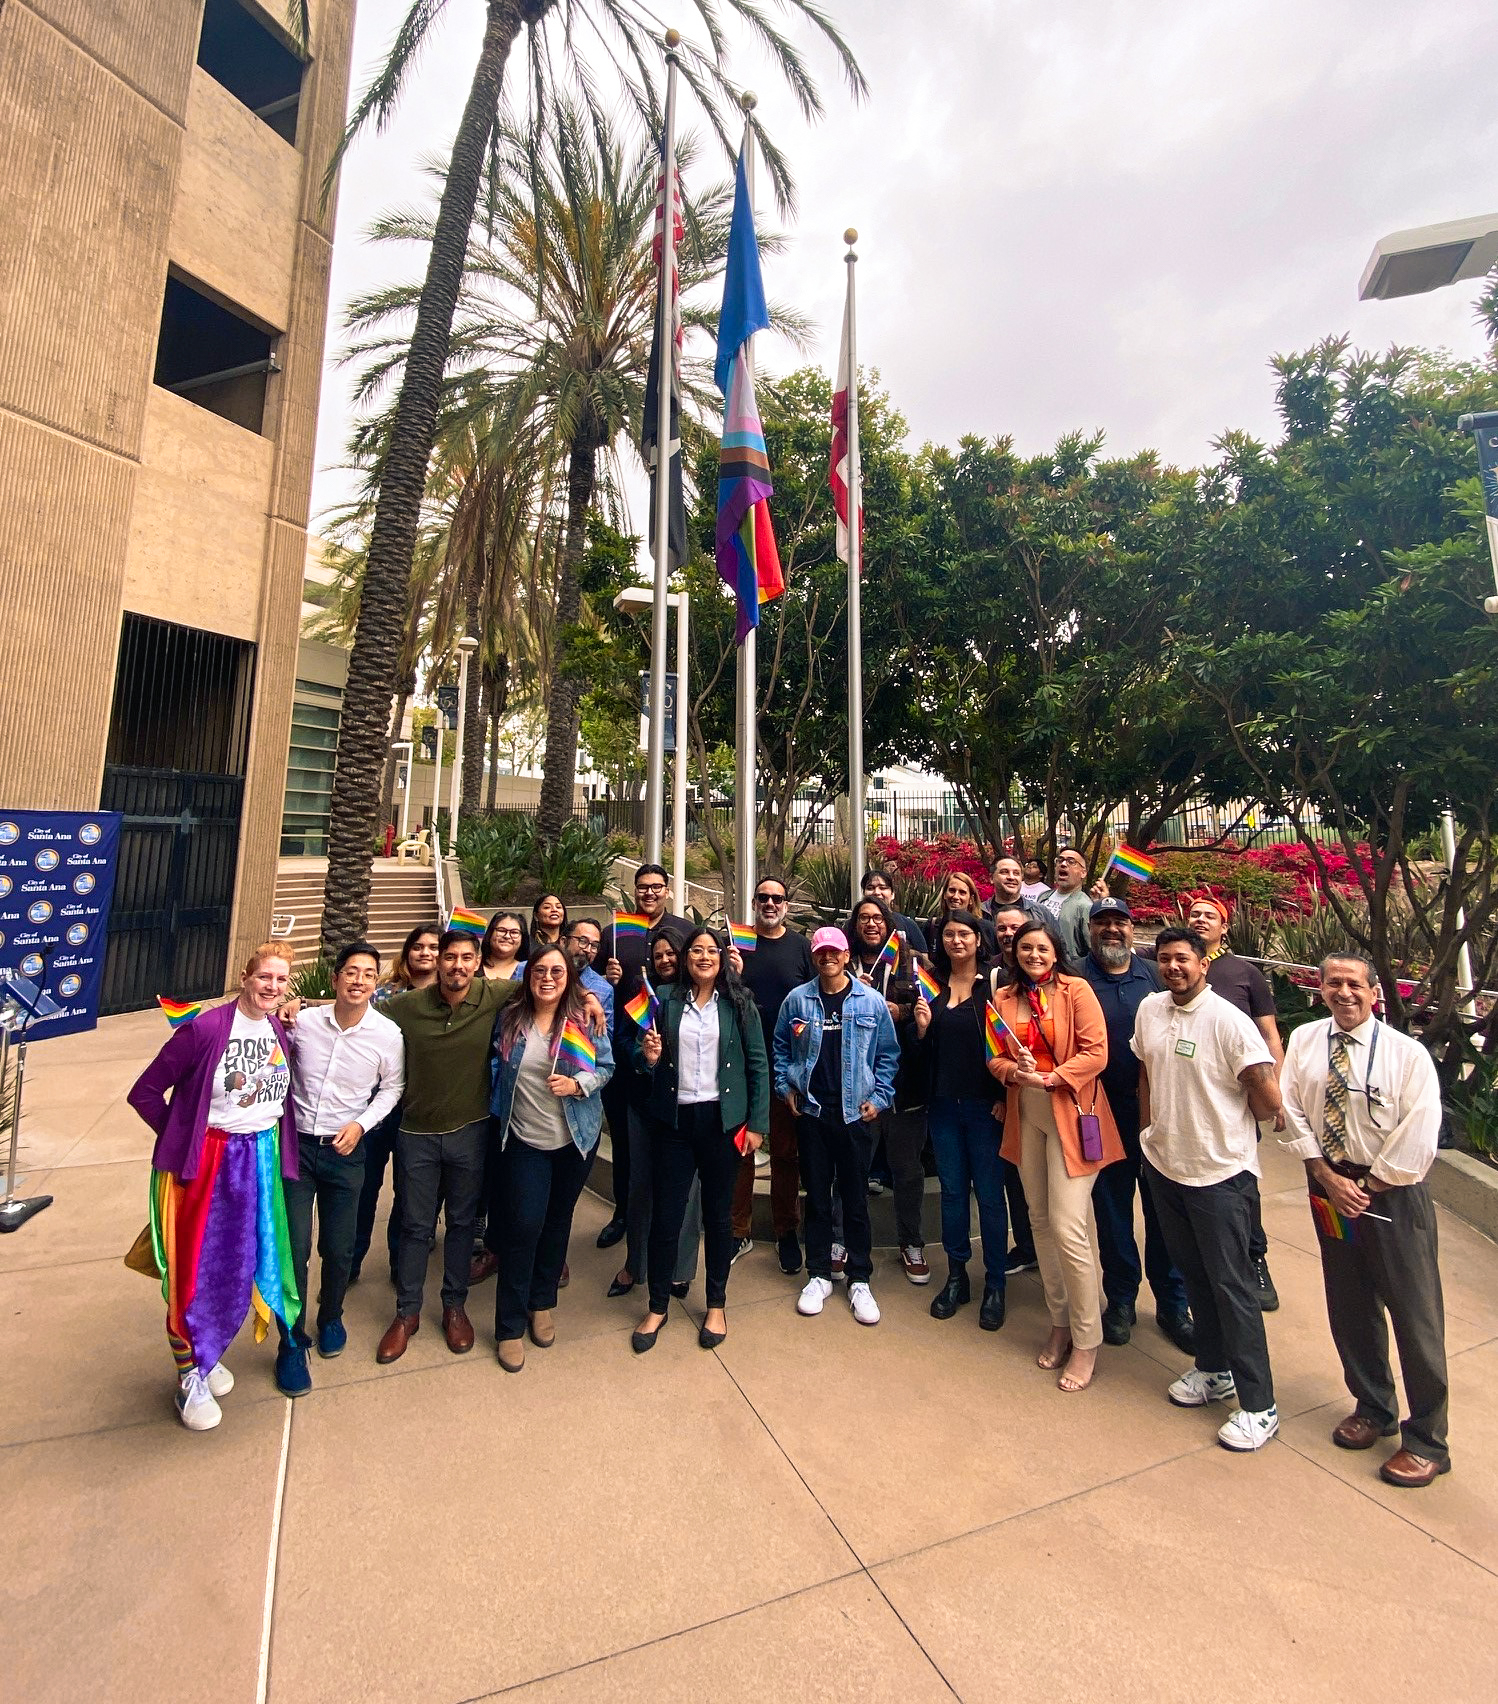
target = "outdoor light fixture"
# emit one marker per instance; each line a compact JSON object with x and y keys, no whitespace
{"x":1408,"y":263}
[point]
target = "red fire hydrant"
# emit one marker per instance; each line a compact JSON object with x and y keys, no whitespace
{"x":389,"y":839}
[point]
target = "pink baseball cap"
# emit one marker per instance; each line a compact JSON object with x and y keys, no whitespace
{"x":829,"y":937}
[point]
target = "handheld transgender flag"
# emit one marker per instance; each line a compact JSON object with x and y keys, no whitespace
{"x":1133,"y":863}
{"x":748,"y":561}
{"x":575,"y":1046}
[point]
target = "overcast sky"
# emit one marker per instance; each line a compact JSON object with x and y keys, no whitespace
{"x":1100,"y":215}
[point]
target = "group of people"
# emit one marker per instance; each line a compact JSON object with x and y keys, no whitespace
{"x":1056,"y":1069}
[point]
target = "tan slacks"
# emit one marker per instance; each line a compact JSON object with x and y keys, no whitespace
{"x":1061,"y":1218}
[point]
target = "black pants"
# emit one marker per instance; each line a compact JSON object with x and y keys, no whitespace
{"x":1019,"y":1213}
{"x":450,"y":1166}
{"x":1391,"y":1267}
{"x":904,"y":1140}
{"x":836,"y":1156}
{"x":538,"y":1190}
{"x":697,"y":1145}
{"x":615,"y":1097}
{"x":330,"y":1182}
{"x":1207,"y":1231}
{"x":1113,"y":1208}
{"x":379,"y":1149}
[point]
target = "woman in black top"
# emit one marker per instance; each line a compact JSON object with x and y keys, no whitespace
{"x":960,"y":1114}
{"x":548,"y":921}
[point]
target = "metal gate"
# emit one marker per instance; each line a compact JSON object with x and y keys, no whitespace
{"x":178,"y":741}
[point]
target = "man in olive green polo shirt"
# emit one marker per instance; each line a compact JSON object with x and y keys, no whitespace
{"x":444,"y":1131}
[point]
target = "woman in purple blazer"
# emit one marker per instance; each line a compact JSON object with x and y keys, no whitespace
{"x":225,"y":1139}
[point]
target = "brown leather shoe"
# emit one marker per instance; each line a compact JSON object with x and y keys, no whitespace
{"x":543,"y":1328}
{"x":457,"y":1330}
{"x":1412,"y":1471}
{"x":484,"y":1265}
{"x":399,"y":1333}
{"x":512,"y":1353}
{"x":1358,"y":1432}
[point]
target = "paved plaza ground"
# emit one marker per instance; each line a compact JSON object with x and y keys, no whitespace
{"x":813,"y":1511}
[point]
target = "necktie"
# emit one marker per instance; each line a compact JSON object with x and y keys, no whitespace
{"x":1334,"y":1119}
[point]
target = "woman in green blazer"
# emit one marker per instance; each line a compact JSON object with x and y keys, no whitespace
{"x":708,"y":1104}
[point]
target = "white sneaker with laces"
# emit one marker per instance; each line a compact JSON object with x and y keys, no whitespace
{"x":1248,"y":1429}
{"x":195,"y":1405}
{"x":1195,"y":1389}
{"x":220,"y":1379}
{"x":814,"y":1295}
{"x":865,"y":1308}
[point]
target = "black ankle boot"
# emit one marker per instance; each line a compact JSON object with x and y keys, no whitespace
{"x":991,"y":1314}
{"x":953,"y":1293}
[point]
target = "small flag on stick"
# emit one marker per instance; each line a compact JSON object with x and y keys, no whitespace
{"x":889,"y":954}
{"x":575,"y":1046}
{"x":470,"y":922}
{"x":630,"y":926}
{"x":995,"y":1033}
{"x":743,"y":936}
{"x":643,"y":1007}
{"x":1331,"y":1224}
{"x":1133,"y":863}
{"x":929,"y":986}
{"x":178,"y":1012}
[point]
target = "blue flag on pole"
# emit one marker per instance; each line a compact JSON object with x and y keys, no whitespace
{"x":744,"y":311}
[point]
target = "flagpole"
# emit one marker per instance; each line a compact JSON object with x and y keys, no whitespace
{"x":855,"y":607}
{"x":746,"y":816}
{"x":655,"y":768}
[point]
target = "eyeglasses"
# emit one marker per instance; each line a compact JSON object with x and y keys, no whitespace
{"x":706,"y":952}
{"x":545,"y":972}
{"x":505,"y":935}
{"x":583,"y":943}
{"x":650,"y":887}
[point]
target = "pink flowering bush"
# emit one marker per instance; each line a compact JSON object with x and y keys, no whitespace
{"x":934,"y":860}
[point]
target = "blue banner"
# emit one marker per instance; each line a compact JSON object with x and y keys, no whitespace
{"x":56,"y":881}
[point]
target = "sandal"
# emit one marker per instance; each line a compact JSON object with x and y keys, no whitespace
{"x":1056,"y":1350}
{"x":1070,"y":1380}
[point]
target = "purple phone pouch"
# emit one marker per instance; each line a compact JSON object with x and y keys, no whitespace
{"x":1091,"y":1132}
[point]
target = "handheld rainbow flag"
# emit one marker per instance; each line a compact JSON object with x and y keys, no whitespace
{"x":630,"y":926}
{"x":178,"y":1011}
{"x":644,"y":1006}
{"x":995,"y":1031}
{"x":468,"y":921}
{"x":1133,"y":863}
{"x":889,"y":954}
{"x":743,"y":936}
{"x":1330,"y":1222}
{"x":929,"y":986}
{"x":575,"y":1045}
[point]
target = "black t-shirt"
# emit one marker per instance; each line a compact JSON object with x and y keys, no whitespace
{"x":772,"y":970}
{"x":1242,"y":985}
{"x":959,"y":1067}
{"x":827,"y":1074}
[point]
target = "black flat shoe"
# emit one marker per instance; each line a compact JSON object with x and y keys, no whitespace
{"x":612,"y":1233}
{"x":952,"y":1294}
{"x":641,"y":1341}
{"x":680,"y":1290}
{"x":1118,"y":1323}
{"x":1180,"y":1328}
{"x":618,"y":1288}
{"x":991,"y":1314}
{"x":710,"y":1339}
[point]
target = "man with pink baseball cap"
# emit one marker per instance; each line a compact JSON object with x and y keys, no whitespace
{"x":836,"y":1055}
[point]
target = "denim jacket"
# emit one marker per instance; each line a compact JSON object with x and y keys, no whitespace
{"x":584,"y":1113}
{"x":871,"y":1052}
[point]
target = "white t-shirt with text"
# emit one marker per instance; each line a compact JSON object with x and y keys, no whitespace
{"x":251,"y":1080}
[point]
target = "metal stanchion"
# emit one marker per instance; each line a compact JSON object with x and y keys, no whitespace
{"x":16,"y":1016}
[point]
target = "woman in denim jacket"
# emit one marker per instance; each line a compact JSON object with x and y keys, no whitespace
{"x":549,"y":1116}
{"x":836,"y":1056}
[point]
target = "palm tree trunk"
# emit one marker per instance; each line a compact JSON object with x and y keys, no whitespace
{"x":559,"y":769}
{"x":386,"y":592}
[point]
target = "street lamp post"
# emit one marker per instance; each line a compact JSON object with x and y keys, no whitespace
{"x":634,"y":599}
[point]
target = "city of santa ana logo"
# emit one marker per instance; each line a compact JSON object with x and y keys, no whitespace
{"x":39,"y":910}
{"x":47,"y":859}
{"x":31,"y":965}
{"x":82,"y":884}
{"x":5,"y":885}
{"x":69,"y":986}
{"x":77,"y":934}
{"x":9,"y":834}
{"x":90,"y":834}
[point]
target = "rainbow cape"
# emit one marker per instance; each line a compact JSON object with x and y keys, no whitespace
{"x":743,"y":937}
{"x":630,"y":926}
{"x":468,"y":921}
{"x":179,"y":1011}
{"x":929,"y":986}
{"x":643,"y":1007}
{"x":1133,"y":863}
{"x":575,"y":1046}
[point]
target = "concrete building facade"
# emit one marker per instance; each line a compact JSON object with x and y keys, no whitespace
{"x":164,"y":259}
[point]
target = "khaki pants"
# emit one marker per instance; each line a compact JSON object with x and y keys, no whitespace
{"x":1061,"y":1218}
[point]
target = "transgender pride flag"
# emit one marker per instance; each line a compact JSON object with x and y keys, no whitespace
{"x":747,"y":558}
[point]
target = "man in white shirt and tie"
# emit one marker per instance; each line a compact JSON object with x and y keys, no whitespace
{"x":347,"y":1073}
{"x":1363,"y":1107}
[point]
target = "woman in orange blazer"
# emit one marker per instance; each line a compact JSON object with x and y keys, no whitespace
{"x":1056,"y":1049}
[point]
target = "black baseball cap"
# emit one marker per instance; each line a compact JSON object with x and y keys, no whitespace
{"x":1110,"y":908}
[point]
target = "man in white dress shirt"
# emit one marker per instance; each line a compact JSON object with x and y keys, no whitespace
{"x":1363,"y":1106}
{"x":347,"y":1072}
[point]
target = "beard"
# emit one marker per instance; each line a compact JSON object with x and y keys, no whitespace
{"x":1112,"y":957}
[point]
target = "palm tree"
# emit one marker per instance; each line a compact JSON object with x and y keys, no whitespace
{"x":584,"y":37}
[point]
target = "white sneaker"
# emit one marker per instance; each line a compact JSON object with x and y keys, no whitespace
{"x":1195,"y":1389}
{"x":220,"y":1379}
{"x":195,"y":1405}
{"x":839,"y":1260}
{"x":1247,"y":1429}
{"x":814,"y":1295}
{"x":865,"y":1308}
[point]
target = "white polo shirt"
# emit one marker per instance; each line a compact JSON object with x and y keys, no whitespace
{"x":1201,"y":1130}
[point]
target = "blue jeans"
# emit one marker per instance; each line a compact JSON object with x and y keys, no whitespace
{"x":965,"y":1138}
{"x":1113,"y":1208}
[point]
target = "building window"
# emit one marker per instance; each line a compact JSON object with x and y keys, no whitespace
{"x":258,"y":66}
{"x":213,"y":356}
{"x":309,"y":771}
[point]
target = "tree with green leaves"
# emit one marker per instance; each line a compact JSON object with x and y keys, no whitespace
{"x":589,"y":43}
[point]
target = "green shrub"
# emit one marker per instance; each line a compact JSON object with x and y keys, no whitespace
{"x":312,"y":981}
{"x":496,"y":850}
{"x":578,"y":862}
